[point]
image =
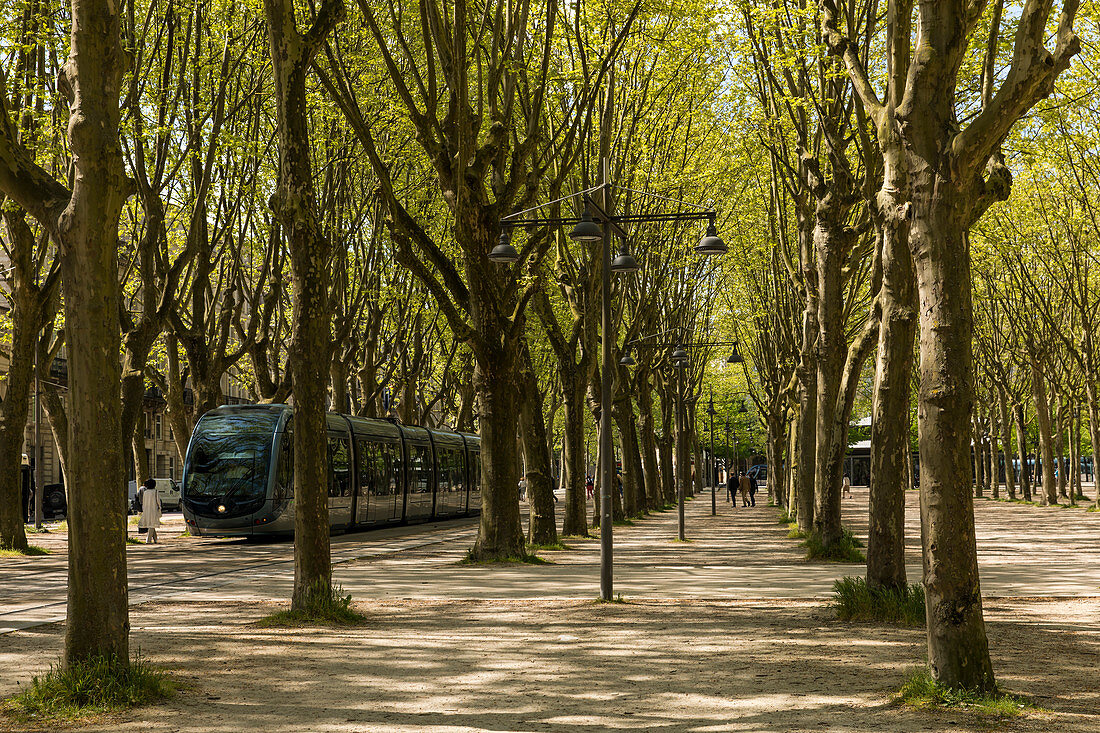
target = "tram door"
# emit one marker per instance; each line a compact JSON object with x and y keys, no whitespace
{"x":379,"y":481}
{"x":339,"y":480}
{"x":419,"y":476}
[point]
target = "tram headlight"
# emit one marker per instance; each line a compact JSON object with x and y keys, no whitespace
{"x":221,"y":508}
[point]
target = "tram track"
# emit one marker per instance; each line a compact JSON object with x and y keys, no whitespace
{"x":30,"y":616}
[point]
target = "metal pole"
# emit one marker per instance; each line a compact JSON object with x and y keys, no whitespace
{"x":38,"y":515}
{"x":681,"y":426}
{"x":713,"y":467}
{"x":605,"y":404}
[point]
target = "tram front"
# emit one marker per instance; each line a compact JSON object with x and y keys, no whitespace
{"x":237,"y":477}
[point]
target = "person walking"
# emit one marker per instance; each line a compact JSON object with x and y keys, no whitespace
{"x":589,"y":487}
{"x":752,"y":490}
{"x":743,"y":482}
{"x":150,"y":510}
{"x":846,"y":487}
{"x":523,"y":487}
{"x":731,"y":488}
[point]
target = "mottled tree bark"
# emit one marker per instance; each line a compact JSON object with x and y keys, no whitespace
{"x":1021,"y":451}
{"x":542,"y":529}
{"x":294,"y":204}
{"x":893,"y":375}
{"x":97,"y":622}
{"x":1006,"y":443}
{"x":1048,"y":490}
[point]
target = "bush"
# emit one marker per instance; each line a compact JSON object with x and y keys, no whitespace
{"x":328,"y":607}
{"x":843,"y":550}
{"x":90,"y":687}
{"x":854,"y":600}
{"x":921,"y":691}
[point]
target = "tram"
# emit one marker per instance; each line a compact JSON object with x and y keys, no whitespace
{"x":238,"y":476}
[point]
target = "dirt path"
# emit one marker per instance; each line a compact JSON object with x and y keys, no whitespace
{"x":447,"y":648}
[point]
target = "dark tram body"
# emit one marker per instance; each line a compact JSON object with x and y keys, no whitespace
{"x":238,"y":477}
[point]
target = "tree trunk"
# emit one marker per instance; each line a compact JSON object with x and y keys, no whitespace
{"x":1049,"y":489}
{"x":1021,"y":448}
{"x":500,"y":532}
{"x":776,"y":470}
{"x":977,"y":465}
{"x":294,"y":204}
{"x":575,"y":469}
{"x":830,"y":353}
{"x":890,"y":407}
{"x":543,"y":529}
{"x":958,"y":650}
{"x":97,"y":624}
{"x":651,"y":475}
{"x":1094,"y":436}
{"x":807,"y":452}
{"x":1060,"y":444}
{"x":13,"y":409}
{"x":1006,"y":444}
{"x":634,"y":498}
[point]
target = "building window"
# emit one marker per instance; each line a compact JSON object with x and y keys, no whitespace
{"x":158,"y":427}
{"x":148,"y":425}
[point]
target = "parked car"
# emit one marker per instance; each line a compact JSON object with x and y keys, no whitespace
{"x":54,"y":505}
{"x":168,"y":490}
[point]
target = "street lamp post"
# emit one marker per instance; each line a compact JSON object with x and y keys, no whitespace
{"x":681,"y":426}
{"x":713,"y":460}
{"x":597,"y":224}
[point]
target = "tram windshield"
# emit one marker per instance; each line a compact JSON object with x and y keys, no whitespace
{"x":229,"y":459}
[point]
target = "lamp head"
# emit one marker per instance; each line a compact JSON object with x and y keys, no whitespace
{"x":624,"y":262}
{"x":628,"y":359}
{"x":735,"y":357}
{"x":504,"y":253}
{"x":586,"y":230}
{"x":711,"y":243}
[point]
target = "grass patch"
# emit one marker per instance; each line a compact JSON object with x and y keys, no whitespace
{"x":553,"y":546}
{"x":795,"y":533}
{"x":617,"y":599}
{"x":89,"y":688}
{"x":134,"y":541}
{"x":331,"y":608}
{"x":31,"y":529}
{"x":844,"y":550}
{"x":685,"y":540}
{"x":577,"y":537}
{"x":623,"y":523}
{"x":31,"y":551}
{"x":133,"y":521}
{"x":921,"y":691}
{"x":474,"y":559}
{"x":854,"y":600}
{"x":1094,"y":508}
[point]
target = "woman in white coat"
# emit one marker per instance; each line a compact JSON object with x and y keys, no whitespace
{"x":150,"y":510}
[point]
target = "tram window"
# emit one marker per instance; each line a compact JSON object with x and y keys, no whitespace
{"x":395,"y":468}
{"x":443,"y":470}
{"x":475,"y":472}
{"x":419,"y":465}
{"x":339,"y":476}
{"x":284,"y":487}
{"x":458,"y":480}
{"x":368,"y":457}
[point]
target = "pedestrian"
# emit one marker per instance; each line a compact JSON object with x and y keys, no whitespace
{"x":150,"y":510}
{"x":619,"y":484}
{"x":743,"y":483}
{"x":846,"y":487}
{"x":589,"y":487}
{"x":523,"y":487}
{"x":731,"y":488}
{"x":752,"y":489}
